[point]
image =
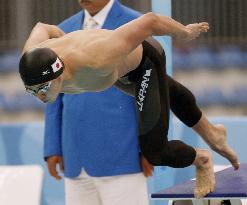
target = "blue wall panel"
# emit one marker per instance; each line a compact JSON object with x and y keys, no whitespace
{"x":23,"y":144}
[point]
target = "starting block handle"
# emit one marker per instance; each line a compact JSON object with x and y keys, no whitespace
{"x":235,"y":202}
{"x":199,"y":202}
{"x":207,"y":201}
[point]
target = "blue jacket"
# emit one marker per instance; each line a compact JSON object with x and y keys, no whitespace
{"x":94,"y":131}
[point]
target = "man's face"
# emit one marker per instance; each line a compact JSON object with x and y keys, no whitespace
{"x":93,"y":6}
{"x":46,"y":92}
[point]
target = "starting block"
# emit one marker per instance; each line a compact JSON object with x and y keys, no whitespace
{"x":230,"y":185}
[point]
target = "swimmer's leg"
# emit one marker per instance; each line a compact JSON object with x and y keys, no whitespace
{"x":152,"y":99}
{"x":215,"y":136}
{"x":183,"y":104}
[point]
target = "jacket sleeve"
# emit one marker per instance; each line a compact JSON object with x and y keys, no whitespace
{"x":53,"y":128}
{"x":53,"y":112}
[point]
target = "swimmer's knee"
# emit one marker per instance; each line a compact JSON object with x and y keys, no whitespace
{"x":180,"y":155}
{"x":174,"y":154}
{"x":183,"y":103}
{"x":179,"y":92}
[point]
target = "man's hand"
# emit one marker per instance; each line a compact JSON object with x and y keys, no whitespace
{"x":147,"y":168}
{"x":52,"y":163}
{"x":194,"y":30}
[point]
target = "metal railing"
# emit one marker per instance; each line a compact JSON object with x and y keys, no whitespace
{"x":227,"y":18}
{"x":8,"y":34}
{"x":18,"y":17}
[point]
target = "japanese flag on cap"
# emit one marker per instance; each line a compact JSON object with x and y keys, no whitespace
{"x":57,"y":65}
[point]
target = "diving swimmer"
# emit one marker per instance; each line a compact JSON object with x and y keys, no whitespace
{"x":130,"y":59}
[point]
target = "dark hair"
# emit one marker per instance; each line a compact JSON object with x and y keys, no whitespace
{"x":40,"y":65}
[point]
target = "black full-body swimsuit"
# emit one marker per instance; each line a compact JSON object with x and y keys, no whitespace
{"x":155,"y":93}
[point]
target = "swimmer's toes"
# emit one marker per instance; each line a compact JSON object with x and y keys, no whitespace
{"x":197,"y":194}
{"x":235,"y":164}
{"x":212,"y":188}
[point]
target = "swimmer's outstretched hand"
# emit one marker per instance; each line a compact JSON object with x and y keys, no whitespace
{"x":194,"y":30}
{"x":41,"y":32}
{"x":52,"y":163}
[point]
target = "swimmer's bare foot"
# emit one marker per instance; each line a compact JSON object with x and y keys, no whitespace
{"x":220,"y":145}
{"x":205,"y":178}
{"x":215,"y":137}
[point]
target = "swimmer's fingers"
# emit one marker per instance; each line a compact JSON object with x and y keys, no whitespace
{"x":52,"y":166}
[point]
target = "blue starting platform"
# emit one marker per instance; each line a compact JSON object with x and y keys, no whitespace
{"x":230,"y":185}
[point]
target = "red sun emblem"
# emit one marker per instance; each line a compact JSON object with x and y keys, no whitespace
{"x":57,"y":65}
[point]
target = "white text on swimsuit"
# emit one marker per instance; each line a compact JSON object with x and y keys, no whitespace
{"x":143,"y":90}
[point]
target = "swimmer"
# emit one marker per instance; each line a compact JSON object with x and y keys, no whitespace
{"x":130,"y":59}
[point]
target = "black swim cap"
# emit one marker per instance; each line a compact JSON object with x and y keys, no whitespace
{"x":40,"y":65}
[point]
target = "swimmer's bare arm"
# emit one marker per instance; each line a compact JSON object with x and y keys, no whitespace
{"x":40,"y":33}
{"x":132,"y":34}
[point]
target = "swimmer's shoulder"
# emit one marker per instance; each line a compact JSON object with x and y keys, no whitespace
{"x":90,"y":32}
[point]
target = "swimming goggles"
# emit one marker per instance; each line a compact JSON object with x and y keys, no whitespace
{"x":40,"y":89}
